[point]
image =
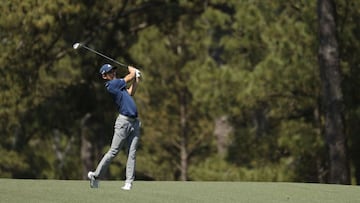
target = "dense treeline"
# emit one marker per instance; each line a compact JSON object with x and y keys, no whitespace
{"x":231,"y":90}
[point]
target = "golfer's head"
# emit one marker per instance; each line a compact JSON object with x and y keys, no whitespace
{"x":107,"y":71}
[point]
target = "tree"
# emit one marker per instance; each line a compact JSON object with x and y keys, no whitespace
{"x":349,"y":41}
{"x":267,"y":85}
{"x":332,"y":95}
{"x":245,"y":71}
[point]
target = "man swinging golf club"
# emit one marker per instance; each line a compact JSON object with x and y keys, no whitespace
{"x":127,"y":125}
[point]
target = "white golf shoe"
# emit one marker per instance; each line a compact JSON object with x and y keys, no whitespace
{"x":93,"y":182}
{"x":127,"y":186}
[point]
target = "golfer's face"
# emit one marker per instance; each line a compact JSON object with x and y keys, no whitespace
{"x":110,"y":75}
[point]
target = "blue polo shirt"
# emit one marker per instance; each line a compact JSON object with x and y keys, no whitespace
{"x":124,"y":102}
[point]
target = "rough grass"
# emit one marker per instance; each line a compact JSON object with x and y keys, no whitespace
{"x":14,"y":190}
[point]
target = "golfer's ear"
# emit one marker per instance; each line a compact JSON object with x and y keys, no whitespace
{"x":104,"y":76}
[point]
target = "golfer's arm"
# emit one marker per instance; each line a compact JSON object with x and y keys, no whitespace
{"x":133,"y":86}
{"x":129,"y":77}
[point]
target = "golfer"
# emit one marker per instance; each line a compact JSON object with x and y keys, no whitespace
{"x":127,"y":125}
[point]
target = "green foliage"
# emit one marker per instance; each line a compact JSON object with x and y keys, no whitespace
{"x":350,"y":43}
{"x":169,"y":59}
{"x":11,"y":163}
{"x":252,"y":61}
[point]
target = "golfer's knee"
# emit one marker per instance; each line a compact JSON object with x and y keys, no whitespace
{"x":112,"y":153}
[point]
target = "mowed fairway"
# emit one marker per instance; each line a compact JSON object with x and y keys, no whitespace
{"x":14,"y":190}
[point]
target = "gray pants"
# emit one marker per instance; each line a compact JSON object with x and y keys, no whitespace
{"x":126,"y":130}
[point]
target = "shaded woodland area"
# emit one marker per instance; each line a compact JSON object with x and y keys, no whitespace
{"x":232,"y":90}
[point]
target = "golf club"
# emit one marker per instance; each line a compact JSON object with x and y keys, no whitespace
{"x":79,"y":45}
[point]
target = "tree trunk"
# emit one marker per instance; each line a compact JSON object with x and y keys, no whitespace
{"x":184,"y":138}
{"x":332,"y":96}
{"x":221,"y":132}
{"x":86,"y":147}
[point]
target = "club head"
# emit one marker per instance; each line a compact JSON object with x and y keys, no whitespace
{"x":76,"y":45}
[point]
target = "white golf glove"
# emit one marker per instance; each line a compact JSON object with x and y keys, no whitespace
{"x":137,"y":73}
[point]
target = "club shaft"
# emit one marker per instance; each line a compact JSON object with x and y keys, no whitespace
{"x":100,"y":54}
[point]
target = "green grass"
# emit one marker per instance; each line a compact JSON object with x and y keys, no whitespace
{"x":14,"y":190}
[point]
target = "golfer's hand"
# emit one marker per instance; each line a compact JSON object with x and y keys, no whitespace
{"x":137,"y":74}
